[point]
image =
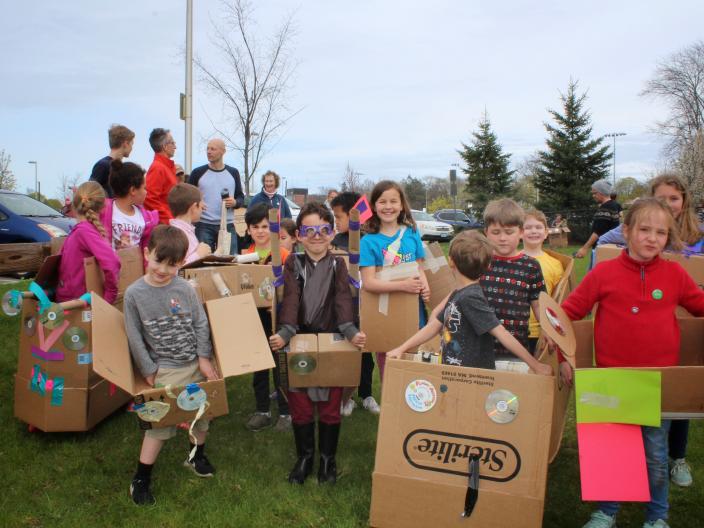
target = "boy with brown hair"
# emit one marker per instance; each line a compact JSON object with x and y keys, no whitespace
{"x":186,"y":205}
{"x":121,"y":140}
{"x":513,"y":282}
{"x":465,"y":320}
{"x":169,"y":339}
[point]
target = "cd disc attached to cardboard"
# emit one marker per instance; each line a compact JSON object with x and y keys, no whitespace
{"x":302,"y":363}
{"x":501,"y":406}
{"x":75,"y":338}
{"x":12,"y":303}
{"x":53,"y":317}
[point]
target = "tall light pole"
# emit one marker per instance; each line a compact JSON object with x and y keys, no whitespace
{"x":36,"y":180}
{"x":613,"y":160}
{"x":187,"y":98}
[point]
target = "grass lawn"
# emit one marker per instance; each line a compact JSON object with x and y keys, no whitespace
{"x":66,"y":479}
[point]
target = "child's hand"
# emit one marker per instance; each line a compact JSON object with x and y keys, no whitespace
{"x":359,"y":339}
{"x":566,"y":373}
{"x":207,"y":369}
{"x":276,"y":342}
{"x":543,"y":369}
{"x":395,"y":353}
{"x":411,"y":285}
{"x":425,"y":293}
{"x":203,"y":250}
{"x":150,"y":379}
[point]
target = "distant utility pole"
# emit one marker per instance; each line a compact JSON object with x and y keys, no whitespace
{"x":613,"y":160}
{"x":187,"y":98}
{"x":36,"y":180}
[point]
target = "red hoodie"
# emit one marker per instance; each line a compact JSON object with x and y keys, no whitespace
{"x":635,"y":323}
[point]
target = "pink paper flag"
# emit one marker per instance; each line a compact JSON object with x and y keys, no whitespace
{"x":365,"y":210}
{"x":612,"y":462}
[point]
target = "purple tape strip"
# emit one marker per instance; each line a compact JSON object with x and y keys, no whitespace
{"x":354,"y":226}
{"x":274,"y":228}
{"x":47,"y":356}
{"x":279,"y":281}
{"x":354,"y":258}
{"x":354,"y":282}
{"x":278,"y":271}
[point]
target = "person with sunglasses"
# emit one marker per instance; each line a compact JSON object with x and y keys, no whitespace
{"x":316,"y":299}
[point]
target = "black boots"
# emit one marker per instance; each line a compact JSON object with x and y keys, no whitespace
{"x":328,"y":435}
{"x":304,"y":434}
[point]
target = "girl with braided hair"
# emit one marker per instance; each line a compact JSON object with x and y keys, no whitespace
{"x":87,"y":239}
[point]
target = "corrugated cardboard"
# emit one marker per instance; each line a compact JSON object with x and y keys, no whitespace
{"x":131,"y":269}
{"x":257,"y":279}
{"x":421,"y":466}
{"x":336,"y":361}
{"x":437,"y":270}
{"x":569,"y":278}
{"x":239,"y":345}
{"x":387,"y":331}
{"x":558,"y":236}
{"x":80,"y":410}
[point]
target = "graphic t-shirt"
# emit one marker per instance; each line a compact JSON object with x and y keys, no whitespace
{"x":373,"y":248}
{"x":126,"y":230}
{"x":466,"y":323}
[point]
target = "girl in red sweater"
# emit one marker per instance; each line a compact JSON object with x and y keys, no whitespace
{"x":635,"y":326}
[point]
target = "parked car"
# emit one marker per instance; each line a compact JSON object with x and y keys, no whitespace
{"x":24,"y":219}
{"x":458,"y":219}
{"x":430,"y":229}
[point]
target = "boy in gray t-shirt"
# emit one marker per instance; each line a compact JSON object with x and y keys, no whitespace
{"x":464,"y":317}
{"x":169,"y":341}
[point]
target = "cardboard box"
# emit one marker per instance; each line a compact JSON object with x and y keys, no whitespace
{"x":682,"y":393}
{"x":239,"y":344}
{"x":131,"y":269}
{"x":440,"y":278}
{"x":558,"y":236}
{"x":257,"y":279}
{"x":323,"y":360}
{"x":433,"y":418}
{"x":70,"y":409}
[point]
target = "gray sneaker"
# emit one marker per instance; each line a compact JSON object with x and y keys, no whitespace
{"x":660,"y":523}
{"x":283,"y":423}
{"x":680,"y":473}
{"x":258,"y":421}
{"x":600,"y":520}
{"x":371,"y":405}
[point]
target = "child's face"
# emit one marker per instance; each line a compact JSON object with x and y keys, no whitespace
{"x":196,"y":210}
{"x":317,"y":245}
{"x":342,"y":219}
{"x":285,"y":240}
{"x":260,"y":233}
{"x":647,"y":238}
{"x":139,"y":194}
{"x":388,"y":207}
{"x":159,"y":273}
{"x":504,"y":238}
{"x":671,"y":196}
{"x":534,"y":233}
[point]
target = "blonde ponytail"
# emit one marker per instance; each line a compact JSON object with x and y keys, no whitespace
{"x":88,"y":201}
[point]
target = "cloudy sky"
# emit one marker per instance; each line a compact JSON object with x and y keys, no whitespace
{"x":390,"y":87}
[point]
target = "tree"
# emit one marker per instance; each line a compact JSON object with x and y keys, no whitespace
{"x":573,"y":160}
{"x":487,"y":171}
{"x":253,"y":80}
{"x":523,"y":187}
{"x":7,"y":177}
{"x":351,"y":181}
{"x":67,"y":184}
{"x":441,"y":202}
{"x":414,"y":189}
{"x":628,"y":189}
{"x":436,"y":188}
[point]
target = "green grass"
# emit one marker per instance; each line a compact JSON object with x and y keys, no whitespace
{"x":66,"y":479}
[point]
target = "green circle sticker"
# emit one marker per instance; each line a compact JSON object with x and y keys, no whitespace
{"x":657,"y":294}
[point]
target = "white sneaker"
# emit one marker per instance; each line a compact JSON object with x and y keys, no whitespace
{"x":680,"y":473}
{"x":371,"y":405}
{"x":347,"y":407}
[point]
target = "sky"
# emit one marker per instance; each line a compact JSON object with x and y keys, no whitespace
{"x":392,"y":88}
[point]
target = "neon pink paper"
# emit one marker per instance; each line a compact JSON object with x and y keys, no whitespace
{"x":612,"y":463}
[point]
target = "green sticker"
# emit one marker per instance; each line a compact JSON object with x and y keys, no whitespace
{"x":657,"y":294}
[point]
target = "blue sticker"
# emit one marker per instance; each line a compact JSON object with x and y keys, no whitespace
{"x":192,"y":387}
{"x":84,"y":359}
{"x":57,"y":392}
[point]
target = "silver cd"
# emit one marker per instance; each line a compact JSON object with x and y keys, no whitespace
{"x":11,"y":303}
{"x":501,"y":406}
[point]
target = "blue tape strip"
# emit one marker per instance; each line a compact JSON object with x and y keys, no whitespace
{"x":15,"y":296}
{"x":354,"y":226}
{"x":137,"y":406}
{"x":279,"y":281}
{"x":274,"y":228}
{"x":192,"y":387}
{"x":354,"y":282}
{"x":86,"y":298}
{"x":44,"y":301}
{"x":57,"y":392}
{"x":354,"y":258}
{"x":278,"y":271}
{"x":84,"y":359}
{"x":38,"y":381}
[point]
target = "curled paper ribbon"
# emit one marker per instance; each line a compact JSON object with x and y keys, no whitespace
{"x":41,"y":296}
{"x":201,"y":411}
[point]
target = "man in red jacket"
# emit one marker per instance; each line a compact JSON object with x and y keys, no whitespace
{"x":161,"y":176}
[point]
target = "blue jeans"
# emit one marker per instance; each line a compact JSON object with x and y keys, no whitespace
{"x":655,"y":442}
{"x":208,"y":234}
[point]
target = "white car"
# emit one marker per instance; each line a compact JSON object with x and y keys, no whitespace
{"x":295,"y":209}
{"x":430,"y":229}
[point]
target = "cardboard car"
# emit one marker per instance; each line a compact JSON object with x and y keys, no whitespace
{"x":322,"y":360}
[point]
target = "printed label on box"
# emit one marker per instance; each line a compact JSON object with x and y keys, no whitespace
{"x":421,"y":395}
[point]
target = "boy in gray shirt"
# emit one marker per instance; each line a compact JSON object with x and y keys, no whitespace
{"x":464,"y":318}
{"x":169,"y":341}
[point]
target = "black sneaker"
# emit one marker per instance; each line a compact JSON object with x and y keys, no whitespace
{"x":201,"y":466}
{"x":139,"y":491}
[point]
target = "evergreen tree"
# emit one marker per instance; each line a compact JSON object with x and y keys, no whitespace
{"x":573,"y":160}
{"x":486,"y":168}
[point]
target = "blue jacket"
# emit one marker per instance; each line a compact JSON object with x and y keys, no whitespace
{"x":274,"y":203}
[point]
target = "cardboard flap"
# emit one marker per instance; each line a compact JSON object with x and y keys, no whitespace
{"x":48,"y":274}
{"x":335,"y":343}
{"x":111,"y":358}
{"x":303,"y":343}
{"x":209,"y":260}
{"x":238,"y":335}
{"x":131,"y":269}
{"x":555,"y":323}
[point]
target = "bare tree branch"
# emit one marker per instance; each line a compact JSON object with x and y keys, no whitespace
{"x":7,"y":177}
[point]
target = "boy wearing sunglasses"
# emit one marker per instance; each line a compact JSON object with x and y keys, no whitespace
{"x":257,"y":220}
{"x":316,"y":299}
